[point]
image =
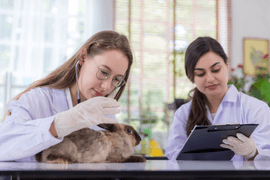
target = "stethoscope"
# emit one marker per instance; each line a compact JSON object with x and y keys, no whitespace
{"x":78,"y":95}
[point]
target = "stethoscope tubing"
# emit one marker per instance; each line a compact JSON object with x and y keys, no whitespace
{"x":78,"y":95}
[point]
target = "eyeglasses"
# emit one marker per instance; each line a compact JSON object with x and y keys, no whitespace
{"x":117,"y":81}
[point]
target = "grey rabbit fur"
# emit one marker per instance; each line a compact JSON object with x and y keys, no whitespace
{"x":114,"y":145}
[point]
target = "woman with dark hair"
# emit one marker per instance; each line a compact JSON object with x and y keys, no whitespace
{"x":215,"y":102}
{"x":82,"y":92}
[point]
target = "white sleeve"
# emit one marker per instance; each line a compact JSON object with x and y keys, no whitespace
{"x":262,"y":133}
{"x":177,"y":136}
{"x":22,"y":140}
{"x":25,"y":133}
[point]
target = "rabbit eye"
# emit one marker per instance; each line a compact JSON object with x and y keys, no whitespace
{"x":129,"y":131}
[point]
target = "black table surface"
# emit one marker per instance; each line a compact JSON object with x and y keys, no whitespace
{"x":152,"y":169}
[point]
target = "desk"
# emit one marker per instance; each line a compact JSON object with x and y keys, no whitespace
{"x":152,"y":169}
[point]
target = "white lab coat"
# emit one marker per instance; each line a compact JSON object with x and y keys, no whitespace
{"x":26,"y":132}
{"x":236,"y":107}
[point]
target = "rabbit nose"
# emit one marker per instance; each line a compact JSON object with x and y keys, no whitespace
{"x":138,"y":139}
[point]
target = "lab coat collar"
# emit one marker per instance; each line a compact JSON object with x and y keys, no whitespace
{"x":231,"y":94}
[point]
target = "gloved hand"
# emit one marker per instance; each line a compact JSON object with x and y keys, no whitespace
{"x":241,"y":145}
{"x":88,"y":113}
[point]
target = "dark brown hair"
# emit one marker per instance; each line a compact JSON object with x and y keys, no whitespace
{"x":199,"y":47}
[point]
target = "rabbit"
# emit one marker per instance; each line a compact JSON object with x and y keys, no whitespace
{"x":114,"y":145}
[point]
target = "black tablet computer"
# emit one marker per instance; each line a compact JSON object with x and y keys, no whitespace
{"x":204,"y":142}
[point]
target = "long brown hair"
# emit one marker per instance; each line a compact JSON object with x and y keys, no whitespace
{"x":64,"y":76}
{"x":199,"y":47}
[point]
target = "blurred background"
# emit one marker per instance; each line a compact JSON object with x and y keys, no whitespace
{"x":36,"y":36}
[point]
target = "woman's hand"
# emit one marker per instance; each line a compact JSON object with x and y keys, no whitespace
{"x":88,"y":113}
{"x":241,"y":145}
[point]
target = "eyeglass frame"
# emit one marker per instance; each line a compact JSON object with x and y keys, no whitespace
{"x":109,"y":75}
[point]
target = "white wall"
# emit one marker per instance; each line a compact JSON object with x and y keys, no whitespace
{"x":102,"y":15}
{"x":250,"y":19}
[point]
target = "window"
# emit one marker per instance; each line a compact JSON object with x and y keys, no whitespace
{"x":159,"y":32}
{"x":36,"y":36}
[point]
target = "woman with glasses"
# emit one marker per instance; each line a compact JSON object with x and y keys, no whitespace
{"x":83,"y":92}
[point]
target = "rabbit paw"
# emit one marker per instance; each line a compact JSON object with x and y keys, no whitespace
{"x":135,"y":159}
{"x":58,"y":159}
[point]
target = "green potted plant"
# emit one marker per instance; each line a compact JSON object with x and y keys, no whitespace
{"x":147,"y":115}
{"x":260,"y":87}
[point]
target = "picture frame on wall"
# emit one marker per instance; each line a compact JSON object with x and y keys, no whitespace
{"x":256,"y":56}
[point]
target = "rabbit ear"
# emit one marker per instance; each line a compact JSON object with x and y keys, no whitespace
{"x":109,"y":127}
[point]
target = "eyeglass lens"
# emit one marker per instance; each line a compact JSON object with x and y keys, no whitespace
{"x":117,"y":80}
